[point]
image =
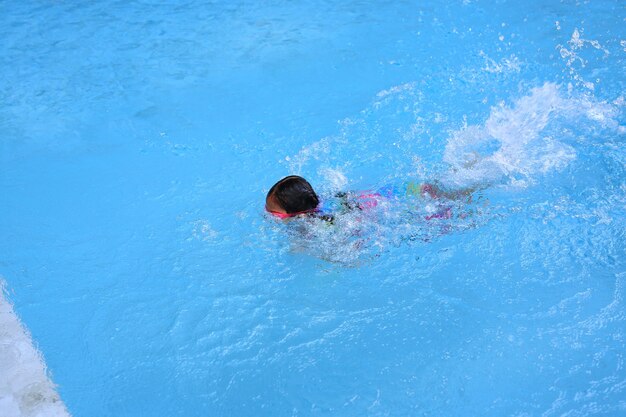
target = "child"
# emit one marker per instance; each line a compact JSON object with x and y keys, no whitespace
{"x":293,"y":196}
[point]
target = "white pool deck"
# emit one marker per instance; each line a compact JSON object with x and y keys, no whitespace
{"x":26,"y":389}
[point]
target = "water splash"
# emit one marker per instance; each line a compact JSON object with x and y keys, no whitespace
{"x":334,"y":179}
{"x":517,"y":145}
{"x":510,"y":64}
{"x":359,"y":235}
{"x":531,"y":137}
{"x":381,"y":141}
{"x":574,"y":62}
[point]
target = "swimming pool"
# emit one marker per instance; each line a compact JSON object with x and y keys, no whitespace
{"x":139,"y":140}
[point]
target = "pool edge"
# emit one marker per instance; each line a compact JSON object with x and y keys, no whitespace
{"x":26,"y":389}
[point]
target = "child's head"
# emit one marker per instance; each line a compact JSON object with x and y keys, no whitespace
{"x":291,"y":195}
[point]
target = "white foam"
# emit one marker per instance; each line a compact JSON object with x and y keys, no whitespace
{"x":525,"y":139}
{"x":25,"y":388}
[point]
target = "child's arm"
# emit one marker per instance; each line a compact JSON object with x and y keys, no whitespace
{"x":435,"y":191}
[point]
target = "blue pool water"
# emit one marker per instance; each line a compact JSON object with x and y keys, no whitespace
{"x":137,"y":142}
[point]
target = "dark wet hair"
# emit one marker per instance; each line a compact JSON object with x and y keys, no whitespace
{"x":294,"y":194}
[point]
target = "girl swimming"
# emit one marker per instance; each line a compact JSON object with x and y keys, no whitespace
{"x":290,"y":197}
{"x":294,"y":196}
